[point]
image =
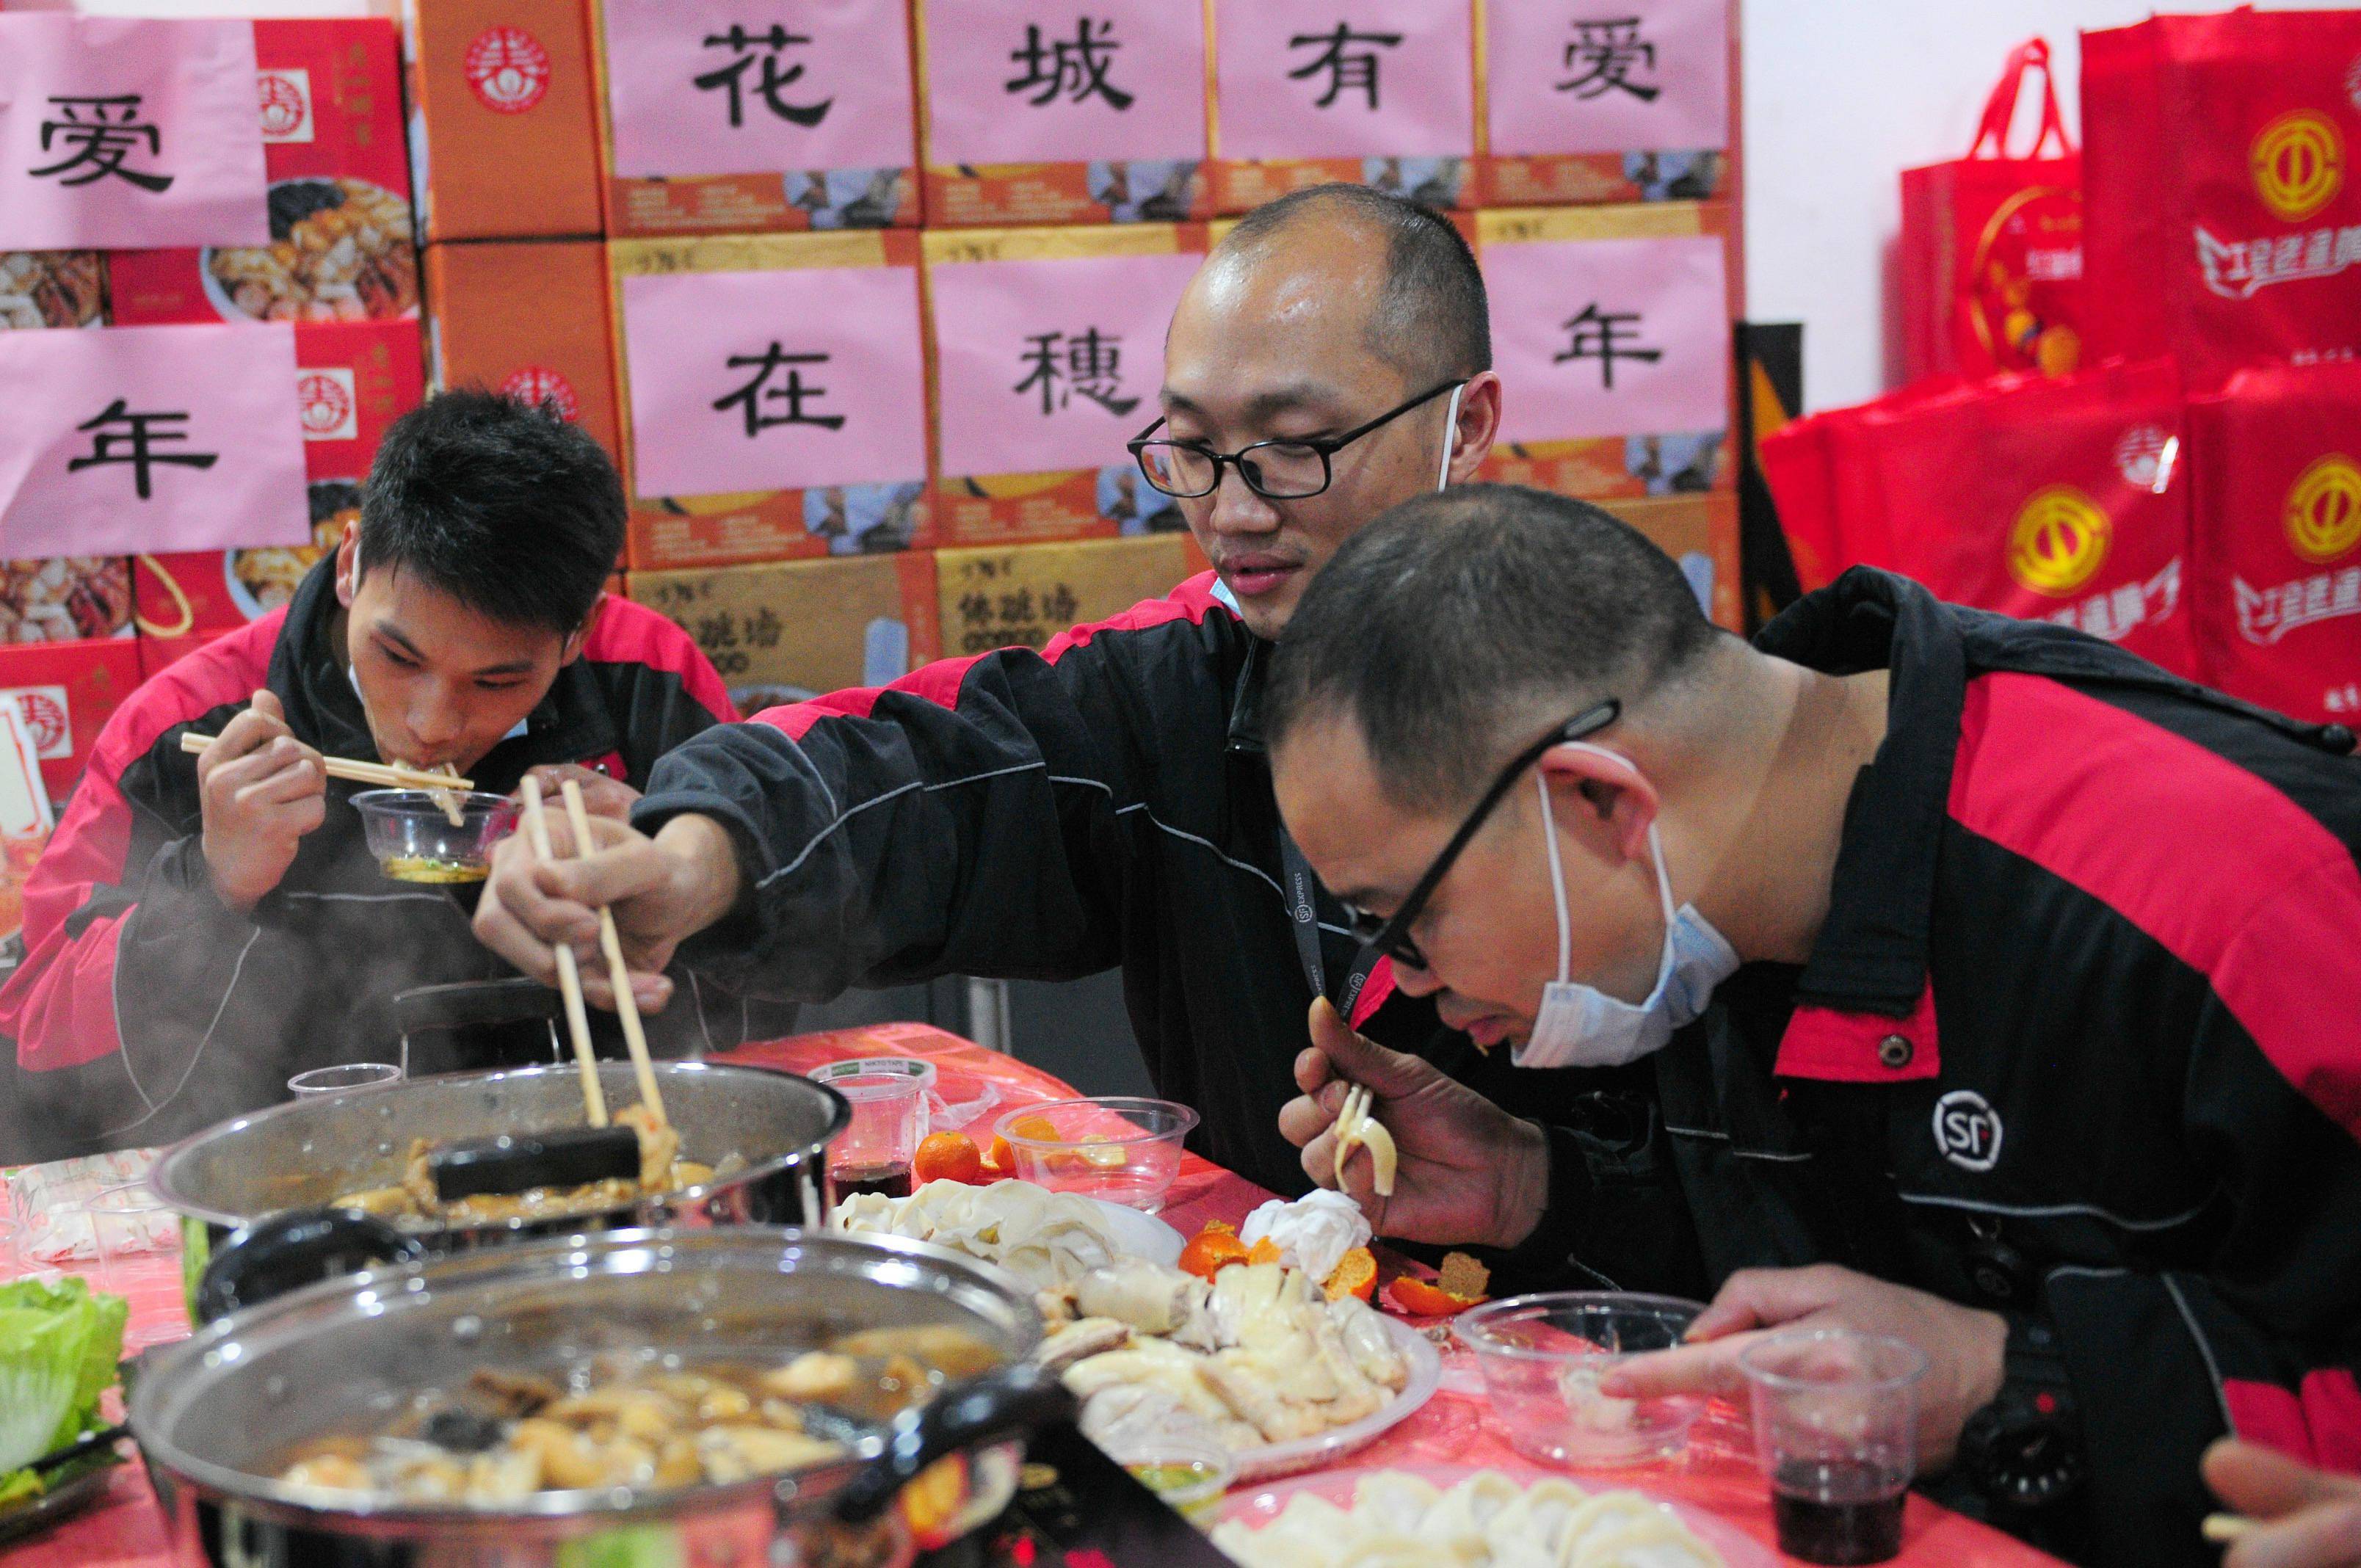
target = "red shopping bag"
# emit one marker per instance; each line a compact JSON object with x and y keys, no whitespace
{"x":2221,"y":223}
{"x":2276,"y":463}
{"x":1992,"y":245}
{"x":1818,"y":469}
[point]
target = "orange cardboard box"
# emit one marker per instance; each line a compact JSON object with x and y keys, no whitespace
{"x":64,"y":692}
{"x":1699,"y":531}
{"x":782,"y":630}
{"x":528,"y":319}
{"x":1026,"y":593}
{"x":502,"y":128}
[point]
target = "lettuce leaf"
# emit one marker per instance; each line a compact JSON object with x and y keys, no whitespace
{"x":59,"y":1348}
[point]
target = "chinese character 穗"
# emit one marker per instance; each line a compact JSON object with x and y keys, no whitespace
{"x":1349,"y":67}
{"x":100,"y":141}
{"x":1078,"y":69}
{"x":134,"y":442}
{"x":1088,"y":365}
{"x":751,"y":398}
{"x":770,"y":82}
{"x":1605,"y":53}
{"x":1606,"y":338}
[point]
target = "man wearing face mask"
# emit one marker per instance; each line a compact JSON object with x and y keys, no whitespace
{"x":1997,"y":987}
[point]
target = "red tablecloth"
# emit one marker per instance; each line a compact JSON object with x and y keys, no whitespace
{"x":1717,"y":1473}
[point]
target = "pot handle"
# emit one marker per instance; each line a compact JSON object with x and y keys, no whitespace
{"x":1008,"y":1403}
{"x":471,"y":1004}
{"x":287,"y":1250}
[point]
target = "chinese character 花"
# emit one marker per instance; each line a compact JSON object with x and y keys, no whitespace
{"x":1347,"y":67}
{"x":1605,"y":53}
{"x":752,"y":397}
{"x":771,"y":82}
{"x":134,"y":444}
{"x":1606,"y":338}
{"x":1078,"y":69}
{"x":101,"y":141}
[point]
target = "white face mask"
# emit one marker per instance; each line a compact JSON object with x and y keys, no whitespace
{"x":1581,"y":1026}
{"x":1450,"y":439}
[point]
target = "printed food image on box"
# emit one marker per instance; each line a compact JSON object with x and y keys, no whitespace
{"x":1047,"y":349}
{"x":1629,"y":104}
{"x":1029,"y":593}
{"x":774,"y":396}
{"x":52,"y":287}
{"x":1303,"y":96}
{"x":342,"y":241}
{"x":65,"y":598}
{"x":1034,"y":114}
{"x":503,"y":129}
{"x":530,"y":320}
{"x":1701,"y":533}
{"x":781,"y":631}
{"x":724,"y":117}
{"x":63,"y":694}
{"x":1610,"y":329}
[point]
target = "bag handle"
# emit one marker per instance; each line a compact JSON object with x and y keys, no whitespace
{"x":2000,"y":109}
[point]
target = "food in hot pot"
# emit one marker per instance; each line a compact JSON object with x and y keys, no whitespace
{"x":413,"y":1198}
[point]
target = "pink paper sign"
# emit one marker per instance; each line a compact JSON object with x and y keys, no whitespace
{"x":1646,"y":75}
{"x":1609,"y":337}
{"x":1374,"y":79}
{"x":120,"y":135}
{"x":138,"y":439}
{"x":777,"y":381}
{"x":1028,"y":82}
{"x":1050,"y":365}
{"x":727,"y":87}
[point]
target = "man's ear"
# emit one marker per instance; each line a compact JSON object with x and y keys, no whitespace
{"x":579,"y":637}
{"x":348,"y":564}
{"x":1479,"y":425}
{"x":1613,"y":799}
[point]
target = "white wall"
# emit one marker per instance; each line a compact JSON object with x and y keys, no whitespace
{"x":1840,"y":96}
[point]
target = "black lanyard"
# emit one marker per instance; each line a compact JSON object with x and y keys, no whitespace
{"x":1303,"y":889}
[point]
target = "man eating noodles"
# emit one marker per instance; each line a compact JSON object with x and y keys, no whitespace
{"x":1104,"y":801}
{"x":1998,"y":987}
{"x":202,"y":927}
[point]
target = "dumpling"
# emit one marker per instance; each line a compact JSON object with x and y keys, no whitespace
{"x":1385,"y":1550}
{"x":1660,"y":1543}
{"x":1536,"y":1519}
{"x":1259,"y":1549}
{"x":1470,"y":1507}
{"x":1393,"y":1499}
{"x":1602,"y":1516}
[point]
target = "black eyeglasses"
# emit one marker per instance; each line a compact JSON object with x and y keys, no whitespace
{"x":1276,"y":470}
{"x":1391,"y":935}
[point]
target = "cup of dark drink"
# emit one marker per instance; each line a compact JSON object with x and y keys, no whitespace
{"x":873,"y":1153}
{"x":1835,"y":1431}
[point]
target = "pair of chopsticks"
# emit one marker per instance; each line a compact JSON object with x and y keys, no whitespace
{"x":385,"y":775}
{"x":1356,"y":1128}
{"x":569,"y":977}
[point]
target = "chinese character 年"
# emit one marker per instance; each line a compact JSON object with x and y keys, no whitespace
{"x":1606,"y":338}
{"x":135,"y":444}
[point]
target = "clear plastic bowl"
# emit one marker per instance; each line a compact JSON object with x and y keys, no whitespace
{"x":1189,"y":1473}
{"x":1542,"y":1356}
{"x":415,"y":840}
{"x":1114,"y":1147}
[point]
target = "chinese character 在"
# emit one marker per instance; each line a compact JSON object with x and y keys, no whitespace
{"x":1349,"y":67}
{"x":99,"y":142}
{"x":135,"y":444}
{"x":1086,"y":364}
{"x":751,"y":399}
{"x":1604,"y":53}
{"x":1607,"y":338}
{"x":1077,"y":69}
{"x":770,"y":82}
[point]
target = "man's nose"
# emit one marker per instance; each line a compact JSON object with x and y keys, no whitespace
{"x":1413,"y":980}
{"x":436,"y":719}
{"x":1236,"y":507}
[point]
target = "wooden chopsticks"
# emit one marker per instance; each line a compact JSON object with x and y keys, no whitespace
{"x":611,"y":941}
{"x":569,"y":979}
{"x":385,"y":775}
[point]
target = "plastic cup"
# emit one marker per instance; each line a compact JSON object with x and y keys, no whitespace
{"x":132,"y":1233}
{"x":1542,"y":1355}
{"x":874,"y":1151}
{"x":339,"y":1080}
{"x":1836,"y":1431}
{"x":1188,"y":1475}
{"x":835,"y":1073}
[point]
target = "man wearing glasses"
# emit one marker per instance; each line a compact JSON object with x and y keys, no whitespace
{"x":1104,"y":801}
{"x":1998,"y":989}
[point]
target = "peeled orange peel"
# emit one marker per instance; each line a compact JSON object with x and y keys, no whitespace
{"x":1356,"y":1128}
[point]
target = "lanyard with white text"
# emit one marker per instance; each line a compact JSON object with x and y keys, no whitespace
{"x":1301,"y":887}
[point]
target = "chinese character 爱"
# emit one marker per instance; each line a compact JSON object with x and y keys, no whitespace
{"x":100,"y":141}
{"x":1078,"y":69}
{"x":1347,"y":67}
{"x":1606,"y":338}
{"x":1605,"y":53}
{"x":134,"y":444}
{"x":770,"y":84}
{"x":750,"y":398}
{"x":1090,"y":360}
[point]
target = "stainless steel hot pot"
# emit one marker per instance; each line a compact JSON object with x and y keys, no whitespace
{"x":303,"y":1154}
{"x":217,"y":1416}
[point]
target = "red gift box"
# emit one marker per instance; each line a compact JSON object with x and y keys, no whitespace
{"x":343,"y":242}
{"x":64,"y":692}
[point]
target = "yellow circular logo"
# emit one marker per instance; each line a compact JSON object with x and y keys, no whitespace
{"x":2324,"y":508}
{"x":2299,"y":164}
{"x":2060,"y":539}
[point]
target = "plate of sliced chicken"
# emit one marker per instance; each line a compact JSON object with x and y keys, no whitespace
{"x":1259,"y":1361}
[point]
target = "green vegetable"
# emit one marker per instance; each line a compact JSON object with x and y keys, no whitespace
{"x":58,"y":1347}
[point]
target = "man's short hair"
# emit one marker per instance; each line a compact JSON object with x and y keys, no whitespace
{"x":1458,"y":626}
{"x":498,"y":502}
{"x":1431,"y":319}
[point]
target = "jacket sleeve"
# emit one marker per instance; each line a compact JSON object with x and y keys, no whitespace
{"x":964,"y":820}
{"x":2257,"y":1332}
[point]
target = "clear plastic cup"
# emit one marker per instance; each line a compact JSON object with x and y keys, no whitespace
{"x":835,"y":1073}
{"x":1836,"y":1431}
{"x":133,"y":1236}
{"x":1190,"y":1474}
{"x":339,"y":1080}
{"x":874,"y":1151}
{"x":1114,"y":1147}
{"x":1542,"y":1355}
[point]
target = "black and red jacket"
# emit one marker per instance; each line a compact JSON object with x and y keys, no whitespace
{"x":2080,"y":1042}
{"x":146,"y":1008}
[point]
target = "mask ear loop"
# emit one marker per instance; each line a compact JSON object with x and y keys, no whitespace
{"x":1655,"y":850}
{"x":1450,"y":439}
{"x":1557,"y":881}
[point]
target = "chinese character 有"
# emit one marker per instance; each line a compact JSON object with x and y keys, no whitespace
{"x":1604,"y":54}
{"x":1077,"y":69}
{"x":770,"y":82}
{"x":119,"y":436}
{"x":100,"y":134}
{"x":753,"y":398}
{"x":1607,"y":338}
{"x":1349,"y":60}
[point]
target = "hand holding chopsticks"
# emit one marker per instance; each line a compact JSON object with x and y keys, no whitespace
{"x":569,"y":979}
{"x":385,"y":775}
{"x":618,"y":971}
